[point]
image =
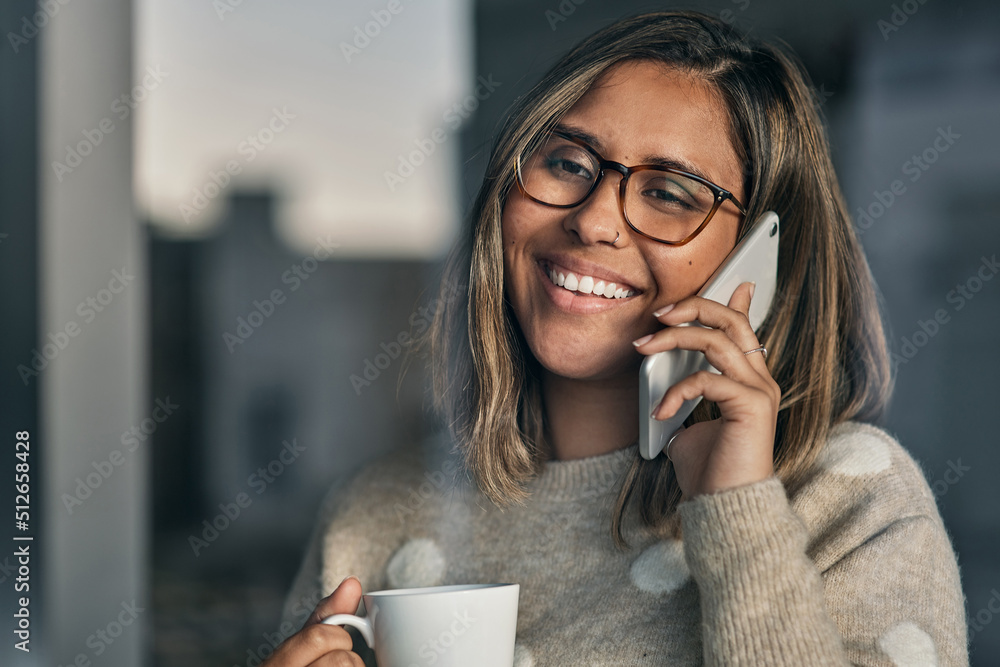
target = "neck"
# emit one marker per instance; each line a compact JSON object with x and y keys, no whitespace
{"x":590,"y":417}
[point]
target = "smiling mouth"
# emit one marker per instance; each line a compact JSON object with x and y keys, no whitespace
{"x":586,"y":285}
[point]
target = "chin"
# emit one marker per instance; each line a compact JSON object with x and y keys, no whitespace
{"x":586,"y":362}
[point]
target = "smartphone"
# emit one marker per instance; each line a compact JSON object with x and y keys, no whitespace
{"x":754,"y":259}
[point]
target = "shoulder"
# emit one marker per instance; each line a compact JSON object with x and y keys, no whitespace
{"x":862,"y":482}
{"x":865,"y":457}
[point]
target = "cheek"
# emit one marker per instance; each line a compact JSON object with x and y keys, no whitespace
{"x":513,"y":236}
{"x":520,"y":222}
{"x":681,"y":271}
{"x":515,"y":220}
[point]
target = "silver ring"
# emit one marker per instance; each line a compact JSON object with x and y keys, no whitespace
{"x":616,"y":238}
{"x":666,"y":450}
{"x":761,"y":349}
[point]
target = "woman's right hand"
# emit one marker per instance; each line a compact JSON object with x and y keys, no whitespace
{"x":318,"y":644}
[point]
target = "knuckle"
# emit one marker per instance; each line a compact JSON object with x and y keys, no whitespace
{"x":717,"y":339}
{"x":320,"y":637}
{"x":701,"y":377}
{"x":315,"y":636}
{"x":736,"y":321}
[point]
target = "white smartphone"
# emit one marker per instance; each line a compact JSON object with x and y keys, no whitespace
{"x":754,"y":259}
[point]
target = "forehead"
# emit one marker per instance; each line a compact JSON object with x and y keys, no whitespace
{"x":641,"y":109}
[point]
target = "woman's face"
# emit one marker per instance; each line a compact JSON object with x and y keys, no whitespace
{"x":636,"y":112}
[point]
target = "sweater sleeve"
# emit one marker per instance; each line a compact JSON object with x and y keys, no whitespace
{"x":886,"y":591}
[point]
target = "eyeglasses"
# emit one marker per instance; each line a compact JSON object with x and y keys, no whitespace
{"x":661,"y":203}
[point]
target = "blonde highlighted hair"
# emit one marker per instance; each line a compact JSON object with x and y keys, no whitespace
{"x":827,"y":347}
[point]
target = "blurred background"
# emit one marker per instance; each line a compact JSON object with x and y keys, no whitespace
{"x":217,"y":218}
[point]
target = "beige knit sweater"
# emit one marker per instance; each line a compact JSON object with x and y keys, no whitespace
{"x":854,"y":569}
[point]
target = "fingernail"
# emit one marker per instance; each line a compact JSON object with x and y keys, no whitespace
{"x":663,"y":311}
{"x":350,"y":576}
{"x":753,"y":286}
{"x":656,"y":413}
{"x":644,"y":339}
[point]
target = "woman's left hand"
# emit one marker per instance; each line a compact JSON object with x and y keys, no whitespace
{"x":738,"y":448}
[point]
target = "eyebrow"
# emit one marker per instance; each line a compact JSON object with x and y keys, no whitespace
{"x":659,"y":161}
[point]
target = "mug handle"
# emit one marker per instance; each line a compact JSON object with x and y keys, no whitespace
{"x":363,"y":625}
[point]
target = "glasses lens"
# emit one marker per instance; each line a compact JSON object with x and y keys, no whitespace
{"x":665,"y":205}
{"x":559,"y":172}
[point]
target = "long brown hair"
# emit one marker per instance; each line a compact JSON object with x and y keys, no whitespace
{"x":827,"y":347}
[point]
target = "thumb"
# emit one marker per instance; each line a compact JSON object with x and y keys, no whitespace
{"x":344,"y":600}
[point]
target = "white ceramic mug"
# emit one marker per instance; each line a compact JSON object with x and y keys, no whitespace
{"x":444,"y":626}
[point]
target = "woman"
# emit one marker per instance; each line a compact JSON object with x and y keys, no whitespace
{"x":779,"y":527}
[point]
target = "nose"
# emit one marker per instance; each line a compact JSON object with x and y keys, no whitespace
{"x":599,"y":217}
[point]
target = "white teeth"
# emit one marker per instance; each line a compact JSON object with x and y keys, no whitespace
{"x":587,"y":285}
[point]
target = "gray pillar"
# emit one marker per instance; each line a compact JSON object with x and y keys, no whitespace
{"x":93,"y":281}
